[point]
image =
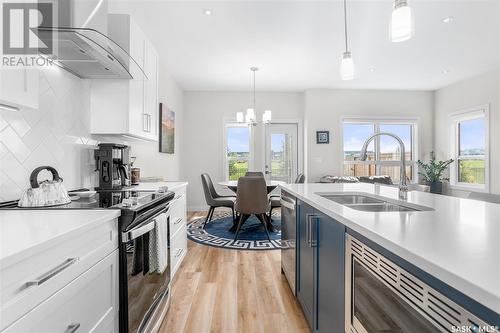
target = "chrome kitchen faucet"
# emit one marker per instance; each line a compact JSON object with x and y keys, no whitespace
{"x":403,"y":187}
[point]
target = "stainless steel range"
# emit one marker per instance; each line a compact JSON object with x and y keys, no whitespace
{"x":144,"y":295}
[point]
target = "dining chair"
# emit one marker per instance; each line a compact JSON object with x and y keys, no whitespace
{"x":252,"y":199}
{"x":254,"y":174}
{"x":214,"y":199}
{"x":275,"y":199}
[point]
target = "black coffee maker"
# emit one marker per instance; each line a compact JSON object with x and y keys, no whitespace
{"x":113,"y":165}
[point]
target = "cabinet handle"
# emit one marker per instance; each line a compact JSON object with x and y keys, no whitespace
{"x":149,"y":123}
{"x":179,"y":220}
{"x":311,"y":242}
{"x":53,"y":272}
{"x":145,"y":122}
{"x":72,"y":328}
{"x":179,"y":252}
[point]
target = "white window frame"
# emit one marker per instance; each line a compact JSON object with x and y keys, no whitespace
{"x":233,"y":123}
{"x":384,"y":121}
{"x":482,"y":111}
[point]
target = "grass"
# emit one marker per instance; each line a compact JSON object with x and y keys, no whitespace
{"x":238,"y":169}
{"x":471,"y":171}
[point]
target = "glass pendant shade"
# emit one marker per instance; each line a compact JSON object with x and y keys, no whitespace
{"x":250,"y":116}
{"x":267,"y":116}
{"x":347,"y":67}
{"x":240,"y":117}
{"x":402,"y":24}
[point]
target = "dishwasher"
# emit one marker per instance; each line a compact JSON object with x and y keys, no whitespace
{"x":288,"y":238}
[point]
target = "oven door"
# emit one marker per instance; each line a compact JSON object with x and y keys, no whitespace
{"x":145,"y":290}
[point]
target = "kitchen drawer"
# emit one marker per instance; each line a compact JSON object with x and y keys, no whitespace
{"x":177,"y":212}
{"x":27,"y":283}
{"x":88,"y":304}
{"x":178,"y":249}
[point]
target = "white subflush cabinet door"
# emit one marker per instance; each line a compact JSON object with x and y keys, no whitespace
{"x":19,"y":87}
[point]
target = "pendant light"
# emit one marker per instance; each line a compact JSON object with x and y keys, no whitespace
{"x":347,"y":64}
{"x":402,"y":24}
{"x":249,"y":117}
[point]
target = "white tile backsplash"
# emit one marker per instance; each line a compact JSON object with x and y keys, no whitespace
{"x":55,"y":134}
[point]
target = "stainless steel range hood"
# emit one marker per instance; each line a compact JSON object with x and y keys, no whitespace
{"x":80,"y":44}
{"x":89,"y":54}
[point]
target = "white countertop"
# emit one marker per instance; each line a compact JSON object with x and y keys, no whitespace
{"x":153,"y":186}
{"x":457,"y":242}
{"x":24,"y":232}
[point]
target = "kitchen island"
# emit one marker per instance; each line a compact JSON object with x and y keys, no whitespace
{"x":452,"y":240}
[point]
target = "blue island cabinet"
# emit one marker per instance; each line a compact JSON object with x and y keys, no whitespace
{"x":320,"y":265}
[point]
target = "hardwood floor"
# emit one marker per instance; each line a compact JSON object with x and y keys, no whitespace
{"x":218,"y":290}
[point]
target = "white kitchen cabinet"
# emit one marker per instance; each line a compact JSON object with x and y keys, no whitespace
{"x":19,"y":87}
{"x":128,"y":107}
{"x":31,"y":280}
{"x":87,"y":304}
{"x":178,"y":230}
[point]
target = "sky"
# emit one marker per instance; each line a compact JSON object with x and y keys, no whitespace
{"x":355,"y":136}
{"x":472,"y":134}
{"x":238,"y":140}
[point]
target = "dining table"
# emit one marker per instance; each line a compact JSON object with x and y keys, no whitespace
{"x":233,"y":185}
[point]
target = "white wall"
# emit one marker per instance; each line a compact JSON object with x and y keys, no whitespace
{"x":58,"y":134}
{"x":324,"y":109}
{"x":203,"y":131}
{"x":480,"y":90}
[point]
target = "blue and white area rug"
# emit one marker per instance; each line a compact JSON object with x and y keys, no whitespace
{"x":252,"y":235}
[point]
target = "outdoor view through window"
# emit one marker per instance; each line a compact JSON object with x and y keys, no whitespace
{"x":383,"y":152}
{"x":471,"y":151}
{"x":238,"y":151}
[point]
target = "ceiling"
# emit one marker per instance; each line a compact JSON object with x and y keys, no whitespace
{"x":297,"y":45}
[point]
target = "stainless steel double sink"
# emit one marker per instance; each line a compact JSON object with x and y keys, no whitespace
{"x":372,"y":203}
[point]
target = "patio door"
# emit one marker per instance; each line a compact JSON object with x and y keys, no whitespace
{"x":281,"y":152}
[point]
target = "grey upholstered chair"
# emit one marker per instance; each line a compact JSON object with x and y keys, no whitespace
{"x":254,"y":174}
{"x":275,"y":199}
{"x":301,"y":178}
{"x":214,"y":199}
{"x":252,"y":199}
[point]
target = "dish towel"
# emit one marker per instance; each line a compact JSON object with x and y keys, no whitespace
{"x":158,"y":245}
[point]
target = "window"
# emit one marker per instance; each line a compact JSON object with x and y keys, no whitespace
{"x":470,"y":149}
{"x":237,"y":150}
{"x":384,"y":153}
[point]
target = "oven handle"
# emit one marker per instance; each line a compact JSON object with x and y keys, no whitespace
{"x":142,"y":229}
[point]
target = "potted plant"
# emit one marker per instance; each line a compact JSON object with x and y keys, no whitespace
{"x":433,"y":172}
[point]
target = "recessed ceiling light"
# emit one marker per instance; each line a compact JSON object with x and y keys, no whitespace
{"x":445,"y":71}
{"x":447,"y":19}
{"x":371,"y":69}
{"x":207,"y":12}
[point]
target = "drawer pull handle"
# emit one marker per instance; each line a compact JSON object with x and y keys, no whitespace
{"x":53,"y":272}
{"x":179,"y":252}
{"x":72,"y":328}
{"x":179,"y":220}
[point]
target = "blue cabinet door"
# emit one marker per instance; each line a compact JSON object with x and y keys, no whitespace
{"x":330,"y":243}
{"x":306,"y":263}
